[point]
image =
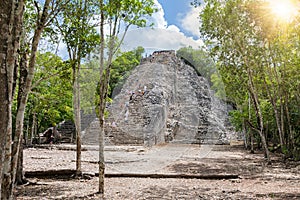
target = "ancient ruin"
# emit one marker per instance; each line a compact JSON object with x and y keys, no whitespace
{"x":163,"y":100}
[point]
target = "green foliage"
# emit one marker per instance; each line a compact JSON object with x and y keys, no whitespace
{"x":131,"y":12}
{"x":218,"y":86}
{"x":51,"y":97}
{"x":237,"y":119}
{"x":252,"y":47}
{"x":30,"y":16}
{"x":78,"y":28}
{"x":118,"y":16}
{"x":200,"y":59}
{"x":88,"y":83}
{"x":121,"y":68}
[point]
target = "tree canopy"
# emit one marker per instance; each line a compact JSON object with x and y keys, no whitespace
{"x":257,"y":56}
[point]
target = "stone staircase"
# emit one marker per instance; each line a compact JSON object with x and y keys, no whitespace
{"x":199,"y":117}
{"x":90,"y":135}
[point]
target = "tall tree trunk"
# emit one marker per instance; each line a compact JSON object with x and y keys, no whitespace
{"x":277,"y":118}
{"x":21,"y":105}
{"x":101,"y":111}
{"x":254,"y":96}
{"x":277,"y":92}
{"x":76,"y":106}
{"x":251,"y":142}
{"x":24,"y":91}
{"x":104,"y":81}
{"x":10,"y":26}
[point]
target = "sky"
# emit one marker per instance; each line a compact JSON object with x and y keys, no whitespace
{"x":176,"y":25}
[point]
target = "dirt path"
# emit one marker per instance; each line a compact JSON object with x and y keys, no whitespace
{"x":119,"y":159}
{"x":257,"y":181}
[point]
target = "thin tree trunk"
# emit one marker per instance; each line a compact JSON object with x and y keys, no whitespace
{"x":28,"y":77}
{"x":76,"y":104}
{"x":282,"y":120}
{"x":288,"y":119}
{"x":21,"y":99}
{"x":258,"y":114}
{"x":250,"y":132}
{"x":103,"y":94}
{"x":101,"y":113}
{"x":246,"y":135}
{"x":272,"y":72}
{"x":251,"y":141}
{"x":277,"y":118}
{"x":253,"y":93}
{"x":33,"y":127}
{"x":21,"y":105}
{"x":104,"y":82}
{"x":26,"y":135}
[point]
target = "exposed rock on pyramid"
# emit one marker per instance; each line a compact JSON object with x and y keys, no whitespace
{"x":164,"y":100}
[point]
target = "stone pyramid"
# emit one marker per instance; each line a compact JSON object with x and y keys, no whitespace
{"x":164,"y":100}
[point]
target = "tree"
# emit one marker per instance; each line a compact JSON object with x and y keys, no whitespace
{"x":41,"y":19}
{"x":200,"y":59}
{"x":235,"y":48}
{"x":10,"y":24}
{"x":256,"y":56}
{"x":50,"y":100}
{"x":79,"y":34}
{"x":115,"y":15}
{"x":24,"y":88}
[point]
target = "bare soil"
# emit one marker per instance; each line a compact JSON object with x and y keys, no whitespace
{"x":281,"y":180}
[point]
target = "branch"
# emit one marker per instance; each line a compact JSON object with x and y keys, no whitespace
{"x":43,"y":79}
{"x":55,"y":11}
{"x":252,"y":126}
{"x":38,"y":10}
{"x":122,"y":39}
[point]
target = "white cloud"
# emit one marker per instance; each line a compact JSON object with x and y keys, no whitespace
{"x":173,"y":28}
{"x":158,"y":39}
{"x":158,"y":18}
{"x":161,"y":36}
{"x":190,"y":21}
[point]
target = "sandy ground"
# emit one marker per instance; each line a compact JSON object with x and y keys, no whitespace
{"x":256,"y":179}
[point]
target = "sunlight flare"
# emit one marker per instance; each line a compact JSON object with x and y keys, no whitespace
{"x":284,"y":10}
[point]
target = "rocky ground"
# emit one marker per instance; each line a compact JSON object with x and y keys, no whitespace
{"x":256,"y":179}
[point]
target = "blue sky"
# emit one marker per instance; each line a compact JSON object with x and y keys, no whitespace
{"x":175,"y":10}
{"x":176,"y":25}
